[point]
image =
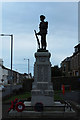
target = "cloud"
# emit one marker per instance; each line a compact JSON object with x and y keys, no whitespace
{"x":24,"y":41}
{"x":39,"y":1}
{"x":20,"y":19}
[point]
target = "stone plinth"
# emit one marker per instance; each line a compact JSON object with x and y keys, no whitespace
{"x":42,"y":88}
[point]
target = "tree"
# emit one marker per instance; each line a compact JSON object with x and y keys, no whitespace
{"x":56,"y":71}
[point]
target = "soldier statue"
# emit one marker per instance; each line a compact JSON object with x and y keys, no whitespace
{"x":42,"y":32}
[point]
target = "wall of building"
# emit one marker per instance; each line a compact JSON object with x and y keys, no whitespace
{"x":1,"y":63}
{"x":5,"y":76}
{"x":65,"y":66}
{"x":0,"y":74}
{"x":72,"y":64}
{"x":75,"y":64}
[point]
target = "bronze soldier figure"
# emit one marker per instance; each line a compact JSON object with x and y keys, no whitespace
{"x":43,"y":31}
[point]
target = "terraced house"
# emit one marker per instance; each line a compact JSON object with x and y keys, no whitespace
{"x":71,"y":65}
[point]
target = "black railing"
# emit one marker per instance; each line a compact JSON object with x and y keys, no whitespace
{"x":67,"y":105}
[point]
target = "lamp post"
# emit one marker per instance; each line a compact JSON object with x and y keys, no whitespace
{"x":11,"y":35}
{"x":28,"y":65}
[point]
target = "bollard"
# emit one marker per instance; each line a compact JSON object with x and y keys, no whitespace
{"x":63,"y":89}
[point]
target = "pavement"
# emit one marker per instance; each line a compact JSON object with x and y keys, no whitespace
{"x":73,"y":96}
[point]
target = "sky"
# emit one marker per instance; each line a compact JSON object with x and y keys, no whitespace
{"x":21,"y":18}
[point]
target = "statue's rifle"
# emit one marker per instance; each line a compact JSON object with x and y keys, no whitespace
{"x":37,"y":39}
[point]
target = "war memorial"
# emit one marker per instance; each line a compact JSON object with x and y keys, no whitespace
{"x":42,"y":104}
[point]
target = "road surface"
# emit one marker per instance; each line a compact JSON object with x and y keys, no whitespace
{"x":73,"y":96}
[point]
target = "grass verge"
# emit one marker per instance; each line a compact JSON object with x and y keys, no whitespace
{"x":26,"y":95}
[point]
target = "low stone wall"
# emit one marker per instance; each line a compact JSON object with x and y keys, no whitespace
{"x":74,"y":82}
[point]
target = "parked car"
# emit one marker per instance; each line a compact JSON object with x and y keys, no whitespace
{"x":2,"y":87}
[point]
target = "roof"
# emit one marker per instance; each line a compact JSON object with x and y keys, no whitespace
{"x":77,"y":46}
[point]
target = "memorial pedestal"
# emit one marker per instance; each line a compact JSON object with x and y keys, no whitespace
{"x":42,"y":92}
{"x":42,"y":88}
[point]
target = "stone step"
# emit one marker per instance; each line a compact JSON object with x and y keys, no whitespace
{"x":44,"y":114}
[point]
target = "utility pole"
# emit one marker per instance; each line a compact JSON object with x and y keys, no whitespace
{"x":11,"y":35}
{"x":28,"y":65}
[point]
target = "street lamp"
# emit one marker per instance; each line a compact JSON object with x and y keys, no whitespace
{"x":11,"y":49}
{"x":28,"y":66}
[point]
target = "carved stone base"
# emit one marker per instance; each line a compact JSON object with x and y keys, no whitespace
{"x":42,"y":88}
{"x":45,"y":100}
{"x":42,"y":93}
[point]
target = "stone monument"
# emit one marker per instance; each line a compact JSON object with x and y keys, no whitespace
{"x":42,"y":88}
{"x":42,"y":104}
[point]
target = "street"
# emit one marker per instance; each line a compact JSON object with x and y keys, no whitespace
{"x":73,"y":96}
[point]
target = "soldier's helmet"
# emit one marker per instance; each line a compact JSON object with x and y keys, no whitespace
{"x":42,"y":17}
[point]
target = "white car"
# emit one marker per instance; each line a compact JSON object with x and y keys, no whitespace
{"x":2,"y":87}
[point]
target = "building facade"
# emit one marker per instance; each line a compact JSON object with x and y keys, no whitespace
{"x":71,"y":65}
{"x":1,"y":63}
{"x":11,"y":77}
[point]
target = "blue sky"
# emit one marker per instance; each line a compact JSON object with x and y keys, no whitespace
{"x":21,"y":18}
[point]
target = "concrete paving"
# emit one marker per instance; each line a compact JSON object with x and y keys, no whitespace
{"x":48,"y":111}
{"x":6,"y":116}
{"x":50,"y":114}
